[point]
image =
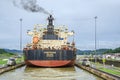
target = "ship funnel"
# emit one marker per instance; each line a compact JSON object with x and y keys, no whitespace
{"x":50,"y":20}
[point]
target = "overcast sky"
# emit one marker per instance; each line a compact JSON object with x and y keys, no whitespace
{"x":78,"y":15}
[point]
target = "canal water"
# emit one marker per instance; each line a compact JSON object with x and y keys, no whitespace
{"x":32,"y":73}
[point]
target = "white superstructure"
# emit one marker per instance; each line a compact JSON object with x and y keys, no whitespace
{"x":39,"y":31}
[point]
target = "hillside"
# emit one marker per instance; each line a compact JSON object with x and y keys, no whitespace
{"x":5,"y":54}
{"x":116,"y":50}
{"x":88,"y":52}
{"x":2,"y":51}
{"x":13,"y":51}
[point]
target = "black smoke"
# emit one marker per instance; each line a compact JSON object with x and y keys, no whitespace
{"x":29,"y":5}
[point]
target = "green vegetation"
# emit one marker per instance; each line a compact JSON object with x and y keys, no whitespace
{"x":108,"y":69}
{"x":2,"y":51}
{"x":2,"y":62}
{"x":18,"y":60}
{"x":116,"y":50}
{"x":88,"y":52}
{"x":6,"y":55}
{"x":99,"y":51}
{"x":111,"y":71}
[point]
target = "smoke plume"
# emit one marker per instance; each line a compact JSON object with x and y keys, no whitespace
{"x":29,"y":5}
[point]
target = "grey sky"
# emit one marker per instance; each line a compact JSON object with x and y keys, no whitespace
{"x":76,"y":14}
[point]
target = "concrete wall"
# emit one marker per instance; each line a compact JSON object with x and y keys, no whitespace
{"x":3,"y":70}
{"x":99,"y":73}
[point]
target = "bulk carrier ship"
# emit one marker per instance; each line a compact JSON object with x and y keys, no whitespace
{"x":50,"y":46}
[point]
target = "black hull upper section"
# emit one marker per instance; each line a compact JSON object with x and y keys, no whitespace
{"x":49,"y":54}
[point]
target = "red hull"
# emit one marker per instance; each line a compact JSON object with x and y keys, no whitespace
{"x":50,"y":63}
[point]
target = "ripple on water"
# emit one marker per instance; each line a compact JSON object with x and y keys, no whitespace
{"x":50,"y":73}
{"x":32,"y":73}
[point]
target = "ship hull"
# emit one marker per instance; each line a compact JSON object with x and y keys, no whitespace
{"x":50,"y":63}
{"x":49,"y":58}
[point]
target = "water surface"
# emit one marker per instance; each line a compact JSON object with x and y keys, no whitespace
{"x":33,"y":73}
